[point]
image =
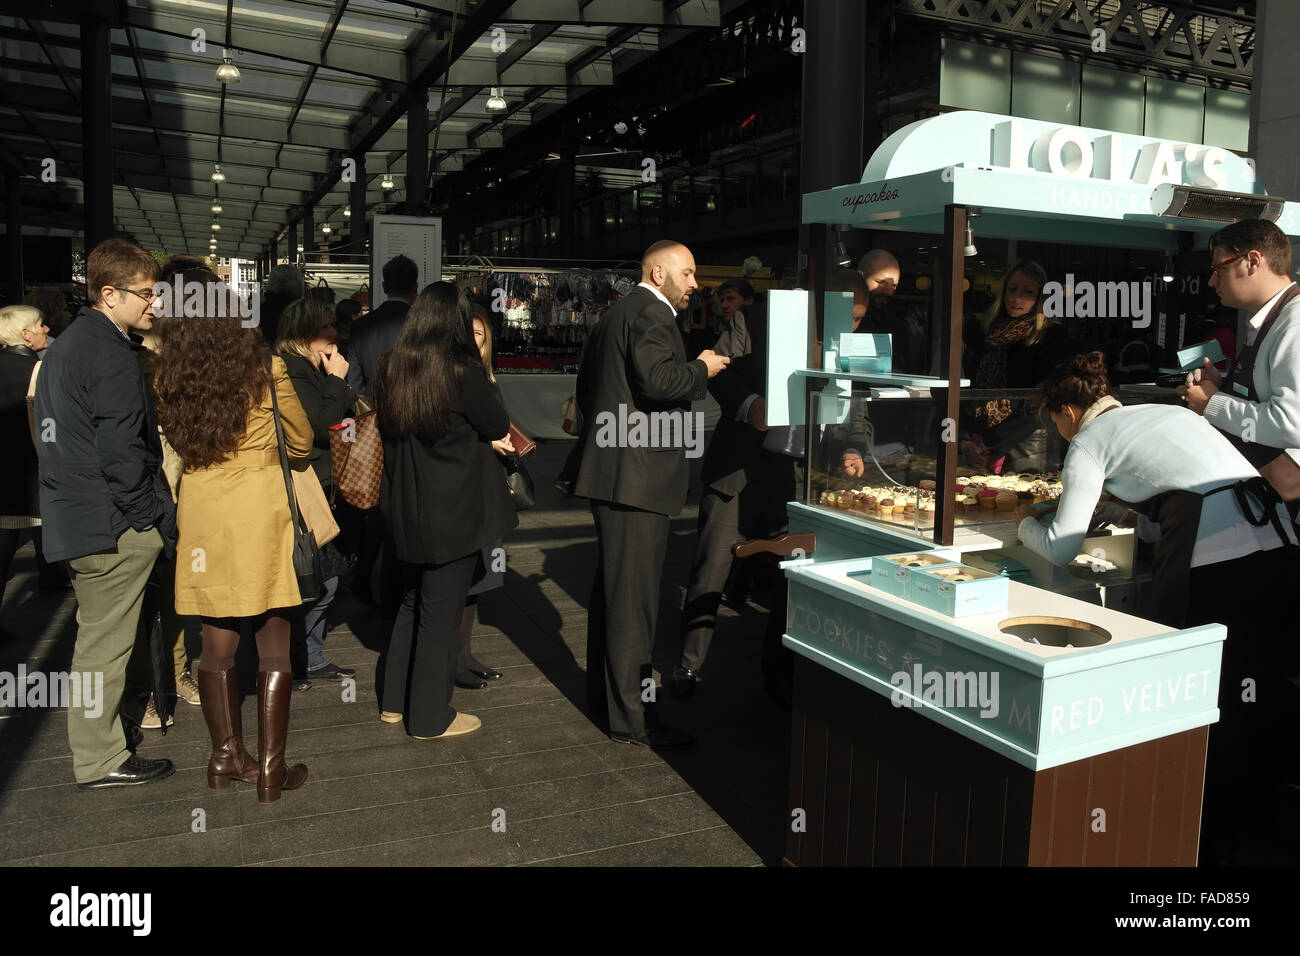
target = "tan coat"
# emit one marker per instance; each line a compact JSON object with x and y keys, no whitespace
{"x":235,"y":555}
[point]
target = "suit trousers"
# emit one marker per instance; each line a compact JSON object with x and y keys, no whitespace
{"x":623,"y":612}
{"x":420,"y":670}
{"x":719,"y":529}
{"x":110,"y":591}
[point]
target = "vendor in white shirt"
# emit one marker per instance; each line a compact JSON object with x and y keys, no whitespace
{"x":1257,"y":405}
{"x":1187,"y":488}
{"x":1177,"y":472}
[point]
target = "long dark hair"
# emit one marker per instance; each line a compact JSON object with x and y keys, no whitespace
{"x":416,"y":381}
{"x":210,"y":373}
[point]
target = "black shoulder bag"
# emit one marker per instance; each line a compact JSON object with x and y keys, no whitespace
{"x":306,"y":554}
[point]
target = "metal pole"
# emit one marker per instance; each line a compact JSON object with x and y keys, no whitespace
{"x":96,"y":129}
{"x":954,"y":273}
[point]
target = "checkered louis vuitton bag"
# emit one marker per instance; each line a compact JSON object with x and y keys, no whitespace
{"x":357,"y":460}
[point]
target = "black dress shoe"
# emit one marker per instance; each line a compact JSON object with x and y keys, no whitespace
{"x":659,"y":737}
{"x":133,"y":771}
{"x":684,"y":681}
{"x":301,"y":683}
{"x":331,"y":672}
{"x":486,"y":673}
{"x":469,"y":681}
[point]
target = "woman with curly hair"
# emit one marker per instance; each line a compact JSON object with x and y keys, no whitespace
{"x":443,"y":497}
{"x":234,"y":558}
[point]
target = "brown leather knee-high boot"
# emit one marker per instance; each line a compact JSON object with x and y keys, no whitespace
{"x":274,"y":688}
{"x":219,"y":697}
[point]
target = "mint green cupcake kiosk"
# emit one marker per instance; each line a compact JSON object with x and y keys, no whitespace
{"x":956,"y":700}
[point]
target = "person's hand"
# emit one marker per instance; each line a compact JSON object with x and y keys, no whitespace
{"x":1198,"y":390}
{"x":853,"y":465}
{"x":333,"y":362}
{"x":1208,"y":371}
{"x":502,"y":446}
{"x":715,"y":362}
{"x":758,"y":415}
{"x":1112,"y":512}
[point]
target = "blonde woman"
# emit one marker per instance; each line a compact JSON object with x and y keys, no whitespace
{"x":308,"y":344}
{"x":23,"y":334}
{"x":1020,"y":349}
{"x":470,"y":674}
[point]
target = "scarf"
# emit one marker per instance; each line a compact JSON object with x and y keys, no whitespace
{"x":1103,"y":404}
{"x":992,"y":373}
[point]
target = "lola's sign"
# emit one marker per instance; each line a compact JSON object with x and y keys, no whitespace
{"x":1117,"y":157}
{"x":972,"y":139}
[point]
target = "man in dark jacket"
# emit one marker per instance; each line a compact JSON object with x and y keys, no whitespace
{"x":635,"y":379}
{"x":105,"y":505}
{"x":373,"y":334}
{"x":745,"y":486}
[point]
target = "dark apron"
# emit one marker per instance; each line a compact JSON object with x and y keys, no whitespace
{"x":1178,"y":513}
{"x":1240,"y":381}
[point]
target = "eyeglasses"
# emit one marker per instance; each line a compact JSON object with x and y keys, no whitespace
{"x":147,"y":296}
{"x":1216,"y":266}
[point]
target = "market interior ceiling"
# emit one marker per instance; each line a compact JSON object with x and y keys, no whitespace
{"x":319,"y":80}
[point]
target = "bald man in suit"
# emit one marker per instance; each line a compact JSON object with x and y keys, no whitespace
{"x":635,"y":362}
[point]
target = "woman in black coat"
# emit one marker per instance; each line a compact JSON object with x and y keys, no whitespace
{"x":1019,"y":349}
{"x":318,"y":371}
{"x":23,"y":334}
{"x":443,"y":498}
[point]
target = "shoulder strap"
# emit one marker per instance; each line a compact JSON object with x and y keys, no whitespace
{"x":284,"y":457}
{"x":1275,"y":312}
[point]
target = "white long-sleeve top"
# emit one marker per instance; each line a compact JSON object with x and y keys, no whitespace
{"x":1276,"y":415}
{"x":1141,"y":451}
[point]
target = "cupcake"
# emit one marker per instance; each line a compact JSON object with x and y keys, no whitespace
{"x":988,"y":499}
{"x":900,"y":507}
{"x":886,"y":505}
{"x":926,"y":484}
{"x":909,"y":508}
{"x":1006,"y":501}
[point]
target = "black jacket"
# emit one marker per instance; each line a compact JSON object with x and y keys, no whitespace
{"x":373,"y":335}
{"x":18,"y":476}
{"x":449,"y":499}
{"x":97,"y":441}
{"x":635,"y":359}
{"x":326,"y":399}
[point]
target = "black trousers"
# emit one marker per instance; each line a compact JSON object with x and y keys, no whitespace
{"x":623,"y":612}
{"x":420,"y":669}
{"x":719,"y":529}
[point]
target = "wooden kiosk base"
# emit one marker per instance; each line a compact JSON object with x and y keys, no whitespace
{"x":885,"y":786}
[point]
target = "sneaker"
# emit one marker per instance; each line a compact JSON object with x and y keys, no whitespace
{"x":187,"y":688}
{"x":151,"y":720}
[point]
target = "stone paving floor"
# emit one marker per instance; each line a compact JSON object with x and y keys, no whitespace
{"x":565,"y":794}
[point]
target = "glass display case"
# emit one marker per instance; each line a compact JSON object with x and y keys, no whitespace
{"x":876,"y":455}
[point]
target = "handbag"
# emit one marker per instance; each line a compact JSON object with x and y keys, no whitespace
{"x":519,"y":483}
{"x":306,"y":555}
{"x":572,"y":424}
{"x":357,"y":460}
{"x":315,"y":509}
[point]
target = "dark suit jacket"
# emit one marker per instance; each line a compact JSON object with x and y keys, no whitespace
{"x":736,"y":460}
{"x":326,"y":399}
{"x":18,"y":477}
{"x":102,"y":471}
{"x":448,"y":499}
{"x":635,"y":358}
{"x":373,"y":335}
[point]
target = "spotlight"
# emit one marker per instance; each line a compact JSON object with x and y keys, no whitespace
{"x":300,"y":247}
{"x":326,"y":229}
{"x":217,"y":175}
{"x":496,"y":102}
{"x":227,"y":72}
{"x":970,"y":249}
{"x":216,"y":227}
{"x":620,"y":127}
{"x":347,"y":212}
{"x":216,"y":208}
{"x":387,"y":183}
{"x":842,"y":256}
